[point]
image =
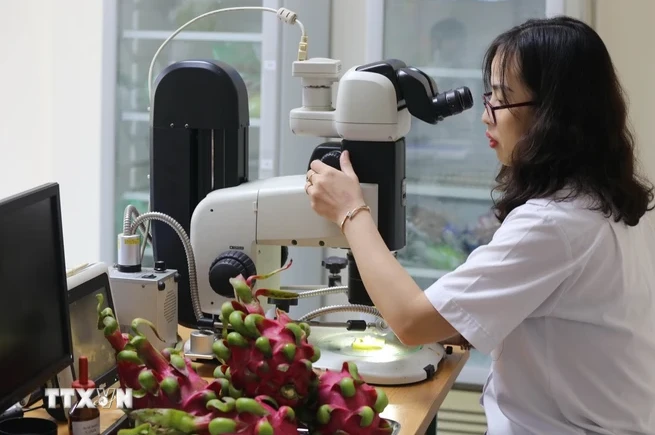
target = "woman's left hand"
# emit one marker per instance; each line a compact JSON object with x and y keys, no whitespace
{"x":333,"y":193}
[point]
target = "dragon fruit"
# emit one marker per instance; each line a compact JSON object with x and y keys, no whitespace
{"x":263,"y":356}
{"x":248,"y":416}
{"x":264,"y":385}
{"x":158,"y":380}
{"x":347,"y":404}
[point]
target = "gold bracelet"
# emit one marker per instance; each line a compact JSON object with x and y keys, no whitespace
{"x":351,"y":214}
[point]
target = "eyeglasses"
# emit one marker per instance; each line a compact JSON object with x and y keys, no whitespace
{"x":491,"y":110}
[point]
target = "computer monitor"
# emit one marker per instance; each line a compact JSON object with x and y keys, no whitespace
{"x":83,"y":287}
{"x":35,"y":339}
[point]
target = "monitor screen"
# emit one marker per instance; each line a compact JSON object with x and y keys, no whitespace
{"x":87,"y":339}
{"x":35,"y":341}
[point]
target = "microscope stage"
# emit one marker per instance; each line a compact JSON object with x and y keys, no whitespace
{"x":379,"y":362}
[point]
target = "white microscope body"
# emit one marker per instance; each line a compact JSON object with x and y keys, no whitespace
{"x":241,"y":229}
{"x":247,"y":224}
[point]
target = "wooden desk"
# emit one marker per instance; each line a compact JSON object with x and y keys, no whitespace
{"x":413,"y":406}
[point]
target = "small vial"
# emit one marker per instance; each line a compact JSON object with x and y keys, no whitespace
{"x":83,"y":420}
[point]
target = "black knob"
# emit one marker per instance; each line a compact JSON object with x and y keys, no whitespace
{"x":332,"y":159}
{"x":356,"y":325}
{"x":283,"y":304}
{"x":228,"y":265}
{"x":335,"y":264}
{"x":160,"y":266}
{"x":206,"y":323}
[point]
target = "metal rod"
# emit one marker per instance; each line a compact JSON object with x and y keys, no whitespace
{"x":337,"y":324}
{"x":219,"y":325}
{"x":301,"y":287}
{"x":344,"y":325}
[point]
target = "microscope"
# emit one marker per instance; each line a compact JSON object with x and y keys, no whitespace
{"x":199,"y":177}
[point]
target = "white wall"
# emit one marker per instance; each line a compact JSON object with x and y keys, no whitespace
{"x":626,"y":28}
{"x":51,"y":119}
{"x":26,"y":95}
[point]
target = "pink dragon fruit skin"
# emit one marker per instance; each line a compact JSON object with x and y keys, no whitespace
{"x":244,"y":416}
{"x":346,"y":404}
{"x":270,"y":357}
{"x":266,"y":379}
{"x":158,"y":380}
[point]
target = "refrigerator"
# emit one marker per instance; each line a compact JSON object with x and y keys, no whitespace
{"x":450,"y":167}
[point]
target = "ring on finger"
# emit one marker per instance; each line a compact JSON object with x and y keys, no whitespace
{"x":309,"y":177}
{"x":307,"y":185}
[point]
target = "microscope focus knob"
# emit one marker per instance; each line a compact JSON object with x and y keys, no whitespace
{"x":332,"y":159}
{"x":335,"y":264}
{"x":229,"y":265}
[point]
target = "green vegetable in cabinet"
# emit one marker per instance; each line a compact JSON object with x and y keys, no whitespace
{"x":245,"y":60}
{"x":190,"y":9}
{"x":444,"y":257}
{"x":239,"y":55}
{"x":428,"y":222}
{"x":254,"y":104}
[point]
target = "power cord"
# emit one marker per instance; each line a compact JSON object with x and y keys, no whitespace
{"x":18,"y":411}
{"x":34,"y":408}
{"x":283,"y":14}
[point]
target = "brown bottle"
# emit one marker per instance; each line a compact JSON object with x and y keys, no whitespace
{"x":84,"y":420}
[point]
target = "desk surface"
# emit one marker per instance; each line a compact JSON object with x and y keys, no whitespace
{"x":413,"y":406}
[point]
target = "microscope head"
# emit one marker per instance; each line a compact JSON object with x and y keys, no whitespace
{"x":374,"y":102}
{"x":374,"y":106}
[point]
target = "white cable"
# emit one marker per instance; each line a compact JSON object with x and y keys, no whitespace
{"x":283,"y":14}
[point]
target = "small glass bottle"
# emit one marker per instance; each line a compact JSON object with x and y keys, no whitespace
{"x":86,"y":420}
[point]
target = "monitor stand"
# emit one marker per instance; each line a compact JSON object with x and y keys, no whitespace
{"x":28,"y":425}
{"x":59,"y":413}
{"x":12,"y":412}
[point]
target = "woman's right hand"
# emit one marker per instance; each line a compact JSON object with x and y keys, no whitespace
{"x":332,"y":192}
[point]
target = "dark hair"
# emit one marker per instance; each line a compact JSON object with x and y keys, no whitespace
{"x":580,"y":136}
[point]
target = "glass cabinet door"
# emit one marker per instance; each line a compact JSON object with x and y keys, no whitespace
{"x":450,"y":167}
{"x":232,"y":37}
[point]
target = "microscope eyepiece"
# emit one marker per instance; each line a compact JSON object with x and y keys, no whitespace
{"x":423,"y":100}
{"x":453,"y":102}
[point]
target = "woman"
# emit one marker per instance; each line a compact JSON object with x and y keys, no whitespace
{"x":562,"y":297}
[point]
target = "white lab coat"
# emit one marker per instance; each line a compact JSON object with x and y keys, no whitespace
{"x":564,"y":301}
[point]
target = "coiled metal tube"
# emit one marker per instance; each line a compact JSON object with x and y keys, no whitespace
{"x":131,"y":212}
{"x":340,"y":309}
{"x":323,"y":291}
{"x":191,"y":260}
